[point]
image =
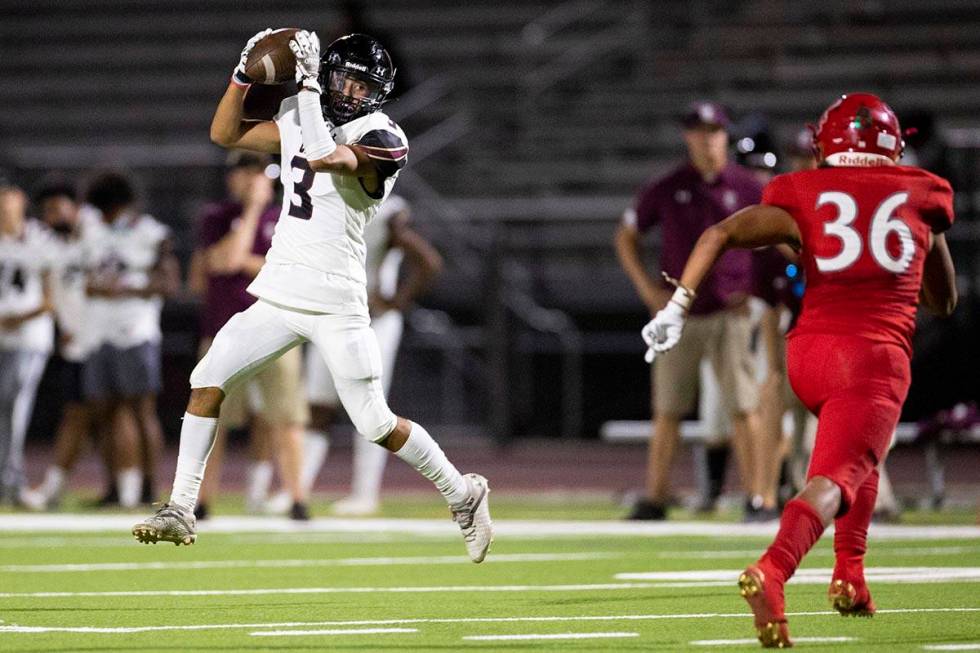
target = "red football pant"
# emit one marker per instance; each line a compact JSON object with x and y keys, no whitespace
{"x":856,"y":388}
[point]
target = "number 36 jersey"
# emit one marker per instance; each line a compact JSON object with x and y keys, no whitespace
{"x":317,"y":258}
{"x":866,"y":232}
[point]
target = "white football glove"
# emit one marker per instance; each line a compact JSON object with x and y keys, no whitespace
{"x":306,"y":48}
{"x":239,"y":74}
{"x":664,"y":330}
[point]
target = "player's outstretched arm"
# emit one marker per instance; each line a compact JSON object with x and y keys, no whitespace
{"x":939,"y":279}
{"x":753,"y":226}
{"x":228,"y":127}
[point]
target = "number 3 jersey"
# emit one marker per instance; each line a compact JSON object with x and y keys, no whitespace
{"x":317,"y":258}
{"x":866,"y":232}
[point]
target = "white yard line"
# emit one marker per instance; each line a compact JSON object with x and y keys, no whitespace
{"x":591,"y":587}
{"x":107,"y":630}
{"x":819,"y":576}
{"x":305,"y":563}
{"x":876,"y":551}
{"x":82,"y":523}
{"x":506,"y":638}
{"x":339,"y":631}
{"x":755,"y":642}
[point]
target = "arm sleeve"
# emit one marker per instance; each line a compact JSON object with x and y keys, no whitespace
{"x":386,"y":149}
{"x":939,"y":213}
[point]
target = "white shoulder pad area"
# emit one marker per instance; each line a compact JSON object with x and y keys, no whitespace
{"x":152,"y":229}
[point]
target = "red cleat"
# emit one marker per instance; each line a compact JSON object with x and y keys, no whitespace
{"x":851,"y":599}
{"x":767,"y":603}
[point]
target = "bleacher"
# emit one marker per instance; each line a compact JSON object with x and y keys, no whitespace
{"x":531,"y":123}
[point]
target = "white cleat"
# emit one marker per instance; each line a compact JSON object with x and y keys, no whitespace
{"x":473,"y":517}
{"x":354,"y":507}
{"x":169,"y":524}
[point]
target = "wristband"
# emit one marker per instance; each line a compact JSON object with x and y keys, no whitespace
{"x":239,"y":78}
{"x":682,"y":298}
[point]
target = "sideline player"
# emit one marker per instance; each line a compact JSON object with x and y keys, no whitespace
{"x":58,"y":208}
{"x":132,"y":269}
{"x":870,"y":238}
{"x":312,"y":286}
{"x":26,"y":330}
{"x":389,"y":239}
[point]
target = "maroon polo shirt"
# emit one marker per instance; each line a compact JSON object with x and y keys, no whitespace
{"x":684,"y":205}
{"x":225,"y":293}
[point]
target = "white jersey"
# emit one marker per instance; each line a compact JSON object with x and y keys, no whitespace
{"x":68,"y":281}
{"x":383,"y":261}
{"x":24,"y":261}
{"x":127,"y":249}
{"x":317,"y":258}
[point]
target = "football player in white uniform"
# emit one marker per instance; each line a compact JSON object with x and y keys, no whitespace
{"x":389,"y":239}
{"x":312,"y":287}
{"x":131,"y":270}
{"x":58,"y":207}
{"x":26,"y":330}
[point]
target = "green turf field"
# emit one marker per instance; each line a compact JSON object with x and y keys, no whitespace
{"x":380,"y":586}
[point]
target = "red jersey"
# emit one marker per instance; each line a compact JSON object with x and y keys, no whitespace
{"x":866,"y":232}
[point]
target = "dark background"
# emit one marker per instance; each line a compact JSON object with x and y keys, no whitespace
{"x":531,"y":125}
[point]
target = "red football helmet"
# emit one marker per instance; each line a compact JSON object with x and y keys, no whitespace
{"x":858,"y":130}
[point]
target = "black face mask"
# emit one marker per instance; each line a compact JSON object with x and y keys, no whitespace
{"x":63,"y":228}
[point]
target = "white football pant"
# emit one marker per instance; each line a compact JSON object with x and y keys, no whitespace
{"x":345,"y":343}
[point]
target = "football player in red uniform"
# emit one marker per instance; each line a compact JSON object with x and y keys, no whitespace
{"x":870,"y":237}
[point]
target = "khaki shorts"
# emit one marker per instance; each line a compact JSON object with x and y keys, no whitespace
{"x":725,"y":339}
{"x":275,"y":393}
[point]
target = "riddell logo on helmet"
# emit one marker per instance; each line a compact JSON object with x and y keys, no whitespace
{"x":356,"y":66}
{"x":858,"y":160}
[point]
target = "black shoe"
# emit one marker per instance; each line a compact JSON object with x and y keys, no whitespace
{"x":148,"y":495}
{"x":299,"y":512}
{"x":646,"y":510}
{"x":108,"y":500}
{"x":201,"y":511}
{"x":756,"y":512}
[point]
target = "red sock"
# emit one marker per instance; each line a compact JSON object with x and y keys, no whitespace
{"x":799,"y":529}
{"x":851,"y":531}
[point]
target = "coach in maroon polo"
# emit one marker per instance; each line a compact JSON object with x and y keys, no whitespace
{"x":702,"y":191}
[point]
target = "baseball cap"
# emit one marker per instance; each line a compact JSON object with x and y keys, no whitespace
{"x":705,"y":113}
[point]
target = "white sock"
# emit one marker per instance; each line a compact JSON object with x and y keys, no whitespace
{"x":53,"y":484}
{"x":316,"y":445}
{"x":423,"y":453}
{"x":196,"y":439}
{"x":369,"y":468}
{"x":258,"y":480}
{"x":130,"y":484}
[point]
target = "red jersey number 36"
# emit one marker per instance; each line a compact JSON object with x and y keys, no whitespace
{"x":883,"y":223}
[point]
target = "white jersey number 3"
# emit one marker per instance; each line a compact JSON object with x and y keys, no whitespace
{"x":883,"y":223}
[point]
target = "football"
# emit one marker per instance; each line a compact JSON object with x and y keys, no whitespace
{"x":271,"y":61}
